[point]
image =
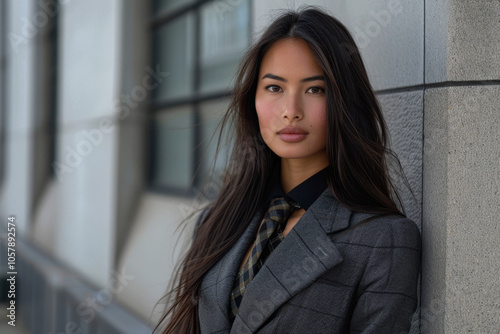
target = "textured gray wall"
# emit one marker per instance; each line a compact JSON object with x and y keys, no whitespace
{"x":461,"y":197}
{"x":452,"y":114}
{"x":461,"y":288}
{"x":462,"y":40}
{"x":403,"y":112}
{"x":404,"y":117}
{"x":461,"y":174}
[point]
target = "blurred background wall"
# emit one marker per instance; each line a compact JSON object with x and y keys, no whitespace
{"x":106,"y":113}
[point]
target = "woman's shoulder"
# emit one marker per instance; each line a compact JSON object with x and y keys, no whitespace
{"x":385,"y":231}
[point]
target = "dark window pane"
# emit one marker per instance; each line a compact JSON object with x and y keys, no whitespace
{"x":223,"y":34}
{"x":224,"y":37}
{"x":173,"y":44}
{"x":165,"y":6}
{"x":174,"y":148}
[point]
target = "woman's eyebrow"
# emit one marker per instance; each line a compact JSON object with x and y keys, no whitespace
{"x":275,"y":77}
{"x":314,"y":78}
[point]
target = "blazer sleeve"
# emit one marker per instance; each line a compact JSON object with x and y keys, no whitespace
{"x":387,"y":293}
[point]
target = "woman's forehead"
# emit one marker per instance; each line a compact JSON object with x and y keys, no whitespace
{"x":291,"y":57}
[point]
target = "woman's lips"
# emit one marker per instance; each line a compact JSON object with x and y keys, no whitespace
{"x":292,"y":134}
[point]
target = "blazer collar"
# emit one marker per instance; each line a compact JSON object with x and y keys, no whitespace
{"x":304,"y":254}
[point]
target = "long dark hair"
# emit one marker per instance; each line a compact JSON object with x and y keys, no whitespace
{"x":358,"y":174}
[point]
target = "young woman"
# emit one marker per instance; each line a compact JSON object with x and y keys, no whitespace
{"x":306,"y":234}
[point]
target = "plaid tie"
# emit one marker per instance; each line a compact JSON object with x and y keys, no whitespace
{"x":278,"y":213}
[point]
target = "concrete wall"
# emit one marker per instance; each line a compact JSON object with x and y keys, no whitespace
{"x":75,"y":215}
{"x":461,"y":175}
{"x":87,"y":144}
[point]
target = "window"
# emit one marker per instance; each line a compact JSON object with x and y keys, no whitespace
{"x":199,"y":43}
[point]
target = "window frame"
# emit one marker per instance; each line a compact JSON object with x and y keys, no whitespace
{"x":194,"y":100}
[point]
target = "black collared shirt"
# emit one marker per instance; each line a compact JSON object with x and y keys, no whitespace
{"x":304,"y":194}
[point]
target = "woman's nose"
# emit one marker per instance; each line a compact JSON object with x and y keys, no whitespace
{"x":293,"y":109}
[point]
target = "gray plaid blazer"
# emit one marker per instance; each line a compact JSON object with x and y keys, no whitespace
{"x":323,"y":277}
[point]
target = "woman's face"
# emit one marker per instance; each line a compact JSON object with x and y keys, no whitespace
{"x":291,"y":102}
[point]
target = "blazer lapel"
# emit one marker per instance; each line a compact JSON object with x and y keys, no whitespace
{"x":304,"y":254}
{"x":218,"y":282}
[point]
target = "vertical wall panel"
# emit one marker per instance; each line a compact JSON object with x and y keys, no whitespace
{"x":87,"y":147}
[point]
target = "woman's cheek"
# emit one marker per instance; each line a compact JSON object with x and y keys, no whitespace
{"x":265,"y":130}
{"x":266,"y":119}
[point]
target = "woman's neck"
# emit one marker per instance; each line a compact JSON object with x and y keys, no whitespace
{"x":296,"y":171}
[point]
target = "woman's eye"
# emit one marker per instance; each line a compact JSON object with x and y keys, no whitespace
{"x":315,"y":90}
{"x":273,"y":88}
